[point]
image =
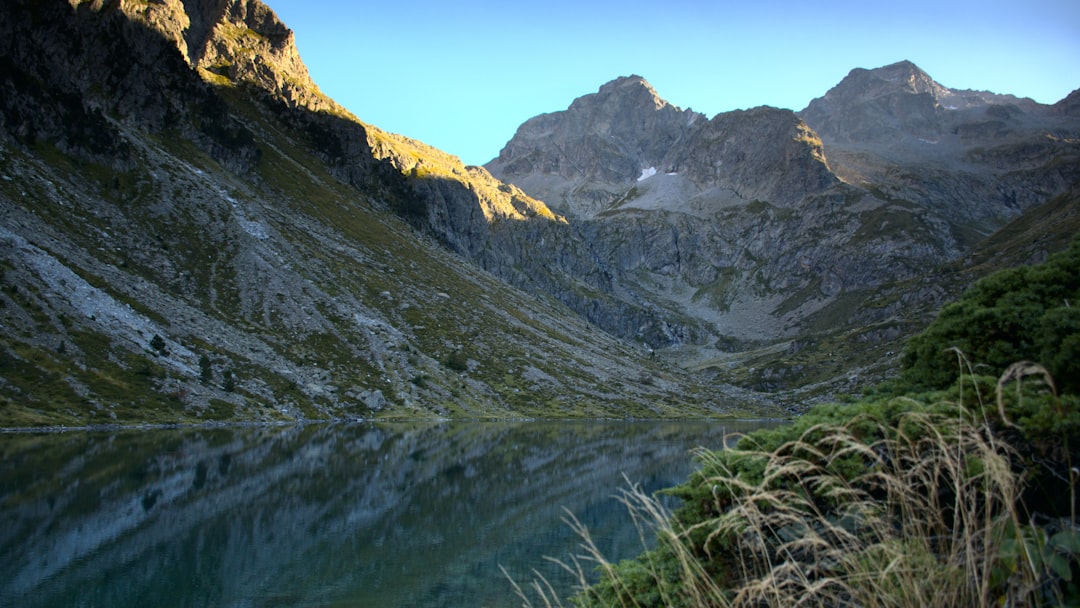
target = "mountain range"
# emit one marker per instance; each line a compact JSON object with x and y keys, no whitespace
{"x":768,"y":230}
{"x":193,"y":231}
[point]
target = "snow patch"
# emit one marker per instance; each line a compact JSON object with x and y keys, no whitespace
{"x":647,"y":173}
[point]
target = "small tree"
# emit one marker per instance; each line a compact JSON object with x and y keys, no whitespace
{"x":457,"y":361}
{"x":157,"y":343}
{"x":228,"y":381}
{"x":206,"y":372}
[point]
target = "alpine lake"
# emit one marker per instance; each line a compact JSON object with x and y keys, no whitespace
{"x":363,"y":514}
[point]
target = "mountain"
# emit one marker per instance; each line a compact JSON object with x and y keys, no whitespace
{"x":582,"y":159}
{"x":979,"y":158}
{"x":779,"y":246}
{"x":192,"y":231}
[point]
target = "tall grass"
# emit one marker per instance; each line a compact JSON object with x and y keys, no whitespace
{"x":922,"y":509}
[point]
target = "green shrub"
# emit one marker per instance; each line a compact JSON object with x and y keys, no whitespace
{"x":457,"y":361}
{"x":1027,"y":313}
{"x":206,"y":370}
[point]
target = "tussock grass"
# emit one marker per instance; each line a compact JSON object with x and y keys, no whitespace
{"x":919,"y":507}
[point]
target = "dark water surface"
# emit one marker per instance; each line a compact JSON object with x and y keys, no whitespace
{"x":321,"y":515}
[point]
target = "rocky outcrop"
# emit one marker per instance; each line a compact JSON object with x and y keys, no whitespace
{"x":240,"y":41}
{"x":763,"y":154}
{"x":1070,"y":106}
{"x":86,"y":65}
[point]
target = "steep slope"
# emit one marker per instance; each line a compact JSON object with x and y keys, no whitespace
{"x":779,"y":247}
{"x":181,"y":241}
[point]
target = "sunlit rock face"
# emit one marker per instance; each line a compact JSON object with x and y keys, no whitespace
{"x":240,"y":41}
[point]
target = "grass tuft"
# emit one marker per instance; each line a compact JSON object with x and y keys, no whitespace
{"x":906,"y":502}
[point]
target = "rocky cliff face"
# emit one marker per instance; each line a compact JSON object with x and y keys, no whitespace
{"x":602,"y":140}
{"x":900,"y":103}
{"x":238,"y":41}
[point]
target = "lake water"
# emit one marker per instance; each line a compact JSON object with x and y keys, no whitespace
{"x":387,"y":515}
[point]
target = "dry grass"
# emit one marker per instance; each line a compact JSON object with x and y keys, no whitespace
{"x":927,"y":513}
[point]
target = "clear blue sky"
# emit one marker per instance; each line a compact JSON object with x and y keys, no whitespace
{"x":463,"y":75}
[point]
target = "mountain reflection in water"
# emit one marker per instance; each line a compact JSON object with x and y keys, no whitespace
{"x":315,"y":515}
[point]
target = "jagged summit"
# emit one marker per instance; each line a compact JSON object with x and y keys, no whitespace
{"x":900,"y":76}
{"x":586,"y":157}
{"x":627,"y":89}
{"x":610,"y":136}
{"x":900,"y":103}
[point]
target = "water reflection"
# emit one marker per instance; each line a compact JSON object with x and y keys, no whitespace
{"x":319,"y":515}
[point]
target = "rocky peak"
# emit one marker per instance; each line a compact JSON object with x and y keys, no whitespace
{"x":587,"y":157}
{"x":625,"y":113}
{"x":895,"y":101}
{"x":901,"y":104}
{"x":908,"y":77}
{"x":903,"y":77}
{"x":633,"y":91}
{"x":233,"y":41}
{"x":1070,"y":106}
{"x":627,"y":108}
{"x":604,"y":138}
{"x":763,"y":153}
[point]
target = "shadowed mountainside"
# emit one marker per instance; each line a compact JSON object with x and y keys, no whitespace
{"x":184,"y":243}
